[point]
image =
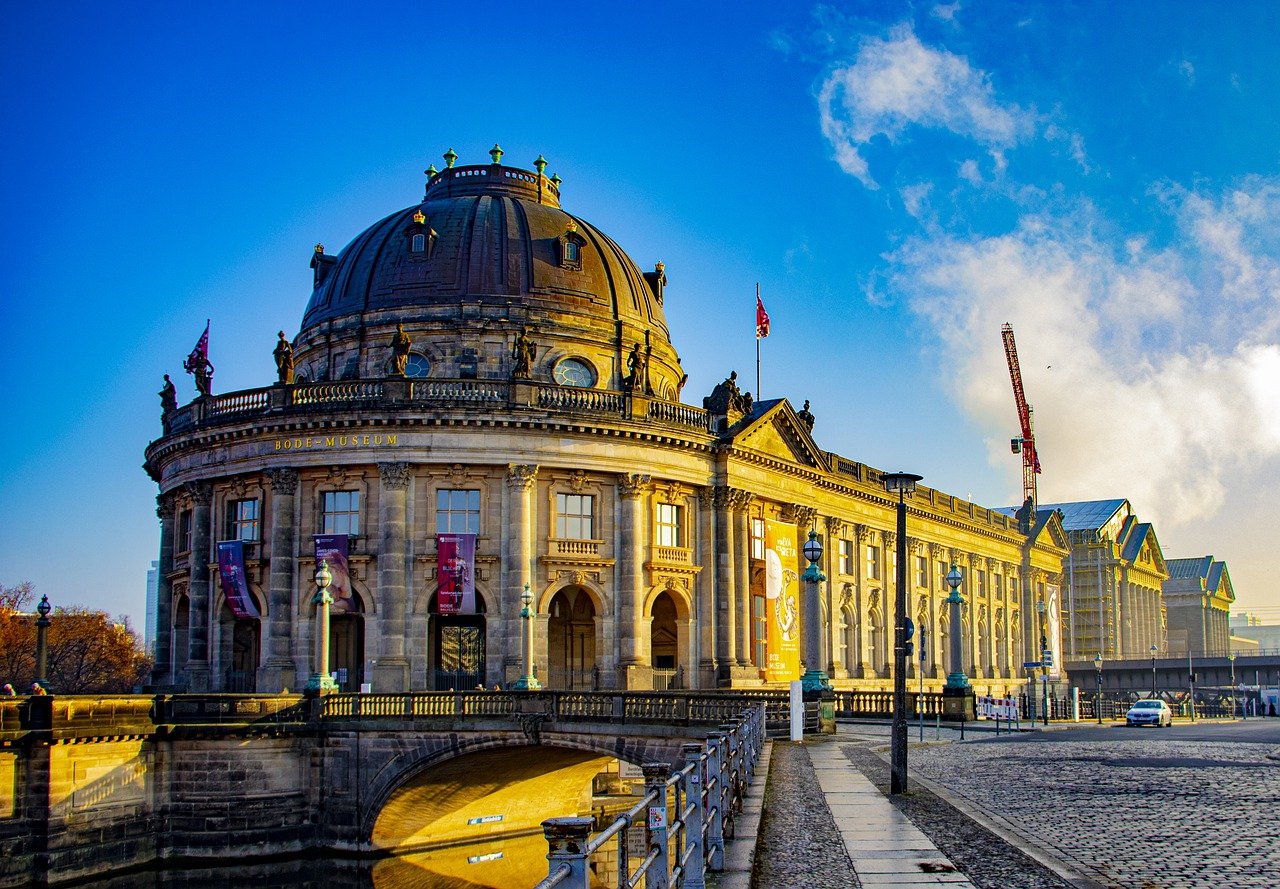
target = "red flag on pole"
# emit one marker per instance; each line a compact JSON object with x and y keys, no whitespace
{"x":199,"y":356}
{"x":762,"y":319}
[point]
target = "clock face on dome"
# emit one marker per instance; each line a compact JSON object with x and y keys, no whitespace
{"x":574,"y":372}
{"x":416,"y":366}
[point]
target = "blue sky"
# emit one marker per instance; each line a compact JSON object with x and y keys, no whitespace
{"x":900,"y":180}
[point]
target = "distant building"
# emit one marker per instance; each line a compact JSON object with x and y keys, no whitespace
{"x":1198,"y":597}
{"x":153,"y":586}
{"x":1250,"y":626}
{"x":1112,"y":581}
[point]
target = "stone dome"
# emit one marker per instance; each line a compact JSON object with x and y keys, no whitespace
{"x":487,"y":253}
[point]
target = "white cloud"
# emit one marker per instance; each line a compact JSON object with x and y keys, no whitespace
{"x":897,"y":82}
{"x":970,"y":173}
{"x":945,"y":11}
{"x":1155,"y":373}
{"x":1188,"y":71}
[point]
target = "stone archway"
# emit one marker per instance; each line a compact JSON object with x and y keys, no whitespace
{"x":457,"y":646}
{"x":664,"y":643}
{"x":571,"y":640}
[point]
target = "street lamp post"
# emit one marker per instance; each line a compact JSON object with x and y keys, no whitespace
{"x":1097,"y":699}
{"x":814,"y":678}
{"x":957,"y":694}
{"x":902,"y":484}
{"x":42,"y":648}
{"x":527,"y":682}
{"x":1231,"y":659}
{"x":1153,"y":670}
{"x":320,"y":682}
{"x":1044,"y":661}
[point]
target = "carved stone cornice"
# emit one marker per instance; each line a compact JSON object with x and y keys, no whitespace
{"x":633,"y":484}
{"x":201,"y":493}
{"x":395,"y":476}
{"x":521,"y":476}
{"x":165,"y":507}
{"x":283,"y":480}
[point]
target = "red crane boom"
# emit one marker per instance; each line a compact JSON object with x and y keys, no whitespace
{"x":1026,"y":443}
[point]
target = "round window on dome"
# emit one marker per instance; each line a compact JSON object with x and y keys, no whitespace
{"x":575,"y":372}
{"x":416,"y":365}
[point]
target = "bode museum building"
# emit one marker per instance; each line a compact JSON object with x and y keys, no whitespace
{"x":484,"y":398}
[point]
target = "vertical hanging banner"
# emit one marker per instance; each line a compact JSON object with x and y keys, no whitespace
{"x":332,"y":548}
{"x":235,"y":585}
{"x":782,"y":601}
{"x":455,"y":570}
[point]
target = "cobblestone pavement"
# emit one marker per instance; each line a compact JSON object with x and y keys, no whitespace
{"x":987,"y":860}
{"x":799,"y":844}
{"x":1145,"y":813}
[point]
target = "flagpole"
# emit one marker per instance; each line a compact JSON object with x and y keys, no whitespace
{"x":759,"y":394}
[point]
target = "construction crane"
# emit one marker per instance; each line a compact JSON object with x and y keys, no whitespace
{"x":1024,"y":444}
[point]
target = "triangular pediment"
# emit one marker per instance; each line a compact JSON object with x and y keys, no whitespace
{"x":779,"y":433}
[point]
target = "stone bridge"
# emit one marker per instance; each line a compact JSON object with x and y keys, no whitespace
{"x":91,"y":785}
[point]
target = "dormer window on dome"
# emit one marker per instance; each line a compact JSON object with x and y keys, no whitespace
{"x":571,"y":244}
{"x":422,"y":237}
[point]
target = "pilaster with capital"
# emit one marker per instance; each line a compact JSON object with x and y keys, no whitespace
{"x":707,"y":617}
{"x":741,"y":504}
{"x":518,"y":564}
{"x":161,"y":672}
{"x":392,"y":670}
{"x":198,"y":586}
{"x":279,"y":671}
{"x":725,"y":580}
{"x":633,"y":655}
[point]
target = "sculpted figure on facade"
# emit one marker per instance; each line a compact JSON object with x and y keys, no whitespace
{"x":805,"y":417}
{"x":400,"y":346}
{"x":726,"y":397}
{"x":284,"y":360}
{"x":523,"y":352}
{"x":168,"y":396}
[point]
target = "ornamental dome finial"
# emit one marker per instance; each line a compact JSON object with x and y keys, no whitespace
{"x":496,"y":153}
{"x":450,"y":158}
{"x":540,"y":164}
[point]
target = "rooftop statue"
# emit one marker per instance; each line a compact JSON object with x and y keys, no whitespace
{"x":400,"y":344}
{"x":805,"y":416}
{"x":284,"y":360}
{"x":523,"y":351}
{"x":168,"y":396}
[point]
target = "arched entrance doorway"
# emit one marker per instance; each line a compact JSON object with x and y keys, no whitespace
{"x":571,"y":640}
{"x":664,"y":643}
{"x":181,"y":637}
{"x":239,"y":641}
{"x":457,"y":644}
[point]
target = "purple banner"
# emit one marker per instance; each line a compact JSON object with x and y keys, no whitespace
{"x":332,"y":548}
{"x":455,"y":570}
{"x":235,"y":586}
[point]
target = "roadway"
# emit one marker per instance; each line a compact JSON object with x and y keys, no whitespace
{"x":1191,"y":805}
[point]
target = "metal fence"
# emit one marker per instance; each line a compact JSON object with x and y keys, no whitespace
{"x":702,"y":800}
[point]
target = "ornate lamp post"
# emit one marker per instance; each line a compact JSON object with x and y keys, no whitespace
{"x":814,"y":678}
{"x":42,"y":648}
{"x":902,"y":484}
{"x":1044,"y":660}
{"x":1154,"y":650}
{"x":527,"y":682}
{"x":1097,"y":698}
{"x":957,"y":694}
{"x":320,"y":682}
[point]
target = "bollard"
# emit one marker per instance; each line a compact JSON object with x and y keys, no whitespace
{"x":567,"y":847}
{"x":658,"y":876}
{"x":694,"y":852}
{"x":714,"y":782}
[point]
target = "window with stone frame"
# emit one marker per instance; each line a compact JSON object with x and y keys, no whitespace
{"x":575,"y":516}
{"x":458,"y":511}
{"x":873,"y":562}
{"x":922,"y":571}
{"x":979,"y":582}
{"x":668,"y":525}
{"x":340,"y":512}
{"x":243,"y":521}
{"x":759,"y":621}
{"x":943,"y":571}
{"x":846,"y":557}
{"x":183,"y":543}
{"x":757,"y":538}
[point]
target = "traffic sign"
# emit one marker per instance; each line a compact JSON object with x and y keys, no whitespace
{"x":1027,"y":665}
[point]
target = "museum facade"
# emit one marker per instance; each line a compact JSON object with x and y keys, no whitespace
{"x":485,"y":380}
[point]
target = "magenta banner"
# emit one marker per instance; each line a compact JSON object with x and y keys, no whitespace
{"x":455,"y":570}
{"x":332,"y":548}
{"x":235,"y":586}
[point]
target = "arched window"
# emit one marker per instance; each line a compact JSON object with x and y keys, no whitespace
{"x":419,"y":242}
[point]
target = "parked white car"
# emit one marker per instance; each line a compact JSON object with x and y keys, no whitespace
{"x":1149,"y":712}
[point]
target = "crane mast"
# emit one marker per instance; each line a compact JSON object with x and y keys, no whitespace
{"x":1026,"y":442}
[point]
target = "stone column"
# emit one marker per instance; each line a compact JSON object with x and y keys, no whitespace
{"x":162,"y":671}
{"x":198,"y":675}
{"x":833,"y":663}
{"x":866,"y":669}
{"x":726,"y":598}
{"x":518,"y":571}
{"x":707,"y":619}
{"x":392,"y":670}
{"x":633,"y":662}
{"x":279,"y":671}
{"x":742,"y":570}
